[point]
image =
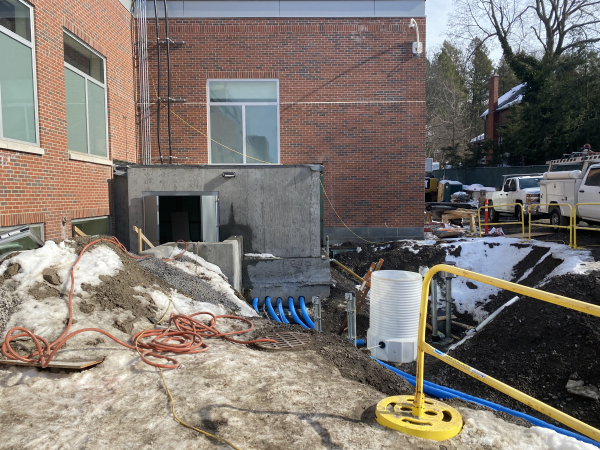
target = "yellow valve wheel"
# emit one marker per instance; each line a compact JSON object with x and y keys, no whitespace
{"x":439,"y":421}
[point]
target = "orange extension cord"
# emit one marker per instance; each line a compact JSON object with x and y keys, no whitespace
{"x":186,"y":337}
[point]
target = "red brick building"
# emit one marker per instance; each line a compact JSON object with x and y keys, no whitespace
{"x":67,"y":110}
{"x":291,"y":82}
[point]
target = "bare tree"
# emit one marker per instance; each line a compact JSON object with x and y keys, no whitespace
{"x":552,"y":26}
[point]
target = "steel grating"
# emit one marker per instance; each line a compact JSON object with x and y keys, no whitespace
{"x":287,"y":340}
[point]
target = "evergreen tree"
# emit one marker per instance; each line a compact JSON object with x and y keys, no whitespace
{"x":479,"y":71}
{"x":508,"y":79}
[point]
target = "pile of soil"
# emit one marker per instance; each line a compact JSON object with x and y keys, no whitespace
{"x":535,"y":347}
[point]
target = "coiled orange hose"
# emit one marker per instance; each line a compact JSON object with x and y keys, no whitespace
{"x":186,"y":337}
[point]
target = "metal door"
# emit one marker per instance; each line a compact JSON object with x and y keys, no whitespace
{"x":209,"y":208}
{"x":589,"y":192}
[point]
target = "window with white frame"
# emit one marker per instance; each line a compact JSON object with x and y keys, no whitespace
{"x":18,"y":106}
{"x":85,"y":90}
{"x":244,"y":121}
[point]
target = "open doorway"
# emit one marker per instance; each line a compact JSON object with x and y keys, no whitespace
{"x":188,"y":216}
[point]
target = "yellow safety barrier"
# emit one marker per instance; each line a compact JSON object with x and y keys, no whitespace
{"x":419,"y":402}
{"x":522,"y":222}
{"x":571,"y":220}
{"x":575,"y":227}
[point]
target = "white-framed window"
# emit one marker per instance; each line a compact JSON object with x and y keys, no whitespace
{"x":85,"y":89}
{"x":18,"y":95}
{"x":92,"y":226}
{"x":243,"y":121}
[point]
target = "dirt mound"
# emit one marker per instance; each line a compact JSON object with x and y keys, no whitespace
{"x":535,"y":347}
{"x":396,"y":256}
{"x":353,"y":364}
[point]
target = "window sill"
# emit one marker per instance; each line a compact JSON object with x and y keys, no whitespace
{"x":21,"y":147}
{"x":76,"y":156}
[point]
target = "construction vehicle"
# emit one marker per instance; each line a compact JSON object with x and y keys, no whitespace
{"x":577,"y":182}
{"x":431,"y":183}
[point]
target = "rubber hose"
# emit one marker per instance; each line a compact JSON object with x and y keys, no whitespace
{"x":271,"y":310}
{"x":255,"y":304}
{"x":294,"y":314}
{"x":305,"y":315}
{"x":280,"y":309}
{"x":446,"y":393}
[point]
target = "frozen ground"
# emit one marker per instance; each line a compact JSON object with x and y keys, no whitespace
{"x":255,"y":399}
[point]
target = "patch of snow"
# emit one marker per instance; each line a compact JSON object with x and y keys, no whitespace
{"x":557,"y":441}
{"x":260,"y":256}
{"x":94,"y":263}
{"x":481,"y":137}
{"x":201,"y":261}
{"x":477,"y":188}
{"x":358,"y":249}
{"x":449,"y":182}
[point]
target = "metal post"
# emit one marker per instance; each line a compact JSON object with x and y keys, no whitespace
{"x":448,"y":306}
{"x":351,"y":311}
{"x":434,"y":307}
{"x":327,"y":245}
{"x":317,"y":313}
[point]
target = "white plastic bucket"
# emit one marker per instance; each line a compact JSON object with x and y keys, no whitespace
{"x":394,"y":315}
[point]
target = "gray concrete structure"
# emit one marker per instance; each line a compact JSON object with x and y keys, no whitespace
{"x":275,"y":209}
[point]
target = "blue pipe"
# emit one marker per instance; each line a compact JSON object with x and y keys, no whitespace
{"x":255,"y":304}
{"x":305,"y":315}
{"x":294,"y":314}
{"x":446,"y":393}
{"x":361,"y":343}
{"x":271,"y":310}
{"x":280,"y":309}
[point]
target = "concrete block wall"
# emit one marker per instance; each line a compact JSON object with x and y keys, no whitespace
{"x":352,"y":98}
{"x":50,"y":187}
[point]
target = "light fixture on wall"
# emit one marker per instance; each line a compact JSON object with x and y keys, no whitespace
{"x":417,"y":46}
{"x":228,"y":174}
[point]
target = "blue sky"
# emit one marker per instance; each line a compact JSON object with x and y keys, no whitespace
{"x":437,"y":24}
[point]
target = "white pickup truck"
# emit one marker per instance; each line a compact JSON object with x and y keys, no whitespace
{"x":521,"y":189}
{"x":581,"y":185}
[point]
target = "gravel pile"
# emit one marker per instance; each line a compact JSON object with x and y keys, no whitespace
{"x":186,"y":283}
{"x":9,"y":300}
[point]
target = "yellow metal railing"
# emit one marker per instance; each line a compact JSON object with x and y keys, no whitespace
{"x":418,"y":409}
{"x":571,"y":220}
{"x":522,"y":222}
{"x":575,"y":227}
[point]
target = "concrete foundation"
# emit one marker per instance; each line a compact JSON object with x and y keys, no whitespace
{"x":341,"y":235}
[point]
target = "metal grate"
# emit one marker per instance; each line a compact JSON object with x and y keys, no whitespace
{"x":285,"y":341}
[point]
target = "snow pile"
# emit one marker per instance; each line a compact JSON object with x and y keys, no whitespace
{"x":450,"y":182}
{"x":260,"y":256}
{"x":496,"y":257}
{"x":94,"y":263}
{"x":199,"y":260}
{"x":477,"y":188}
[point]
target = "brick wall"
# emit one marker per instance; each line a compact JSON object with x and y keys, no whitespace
{"x":352,"y":97}
{"x":46,"y":188}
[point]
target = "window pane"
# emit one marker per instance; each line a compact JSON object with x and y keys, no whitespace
{"x":226,"y":129}
{"x":16,"y":90}
{"x":243,"y":91}
{"x":97,"y":112}
{"x":94,"y":227}
{"x":261,"y":134}
{"x":76,"y":114}
{"x":593,"y":178}
{"x":14,"y":16}
{"x":82,"y":58}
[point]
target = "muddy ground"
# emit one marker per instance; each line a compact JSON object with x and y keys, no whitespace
{"x":533,"y":346}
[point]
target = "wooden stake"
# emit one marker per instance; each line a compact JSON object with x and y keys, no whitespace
{"x":78,"y":232}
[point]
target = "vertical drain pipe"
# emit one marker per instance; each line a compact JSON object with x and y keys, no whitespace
{"x":434,"y":307}
{"x":158,"y":100}
{"x":168,"y":81}
{"x":317,"y":306}
{"x":351,"y":311}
